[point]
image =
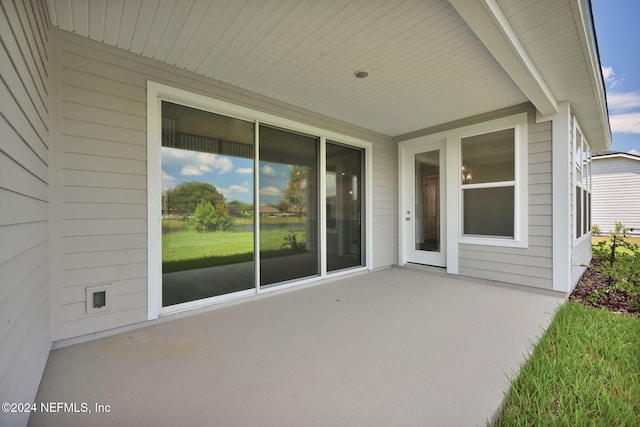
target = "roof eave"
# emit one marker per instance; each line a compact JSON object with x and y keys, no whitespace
{"x":588,"y":40}
{"x":491,"y":26}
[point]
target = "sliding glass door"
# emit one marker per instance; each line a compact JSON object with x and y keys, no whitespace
{"x":289,"y":246}
{"x":344,"y":202}
{"x":241,"y":206}
{"x":207,"y":204}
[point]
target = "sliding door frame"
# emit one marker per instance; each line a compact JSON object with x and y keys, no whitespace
{"x":156,"y":93}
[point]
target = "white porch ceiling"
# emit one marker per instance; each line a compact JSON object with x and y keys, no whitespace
{"x":426,"y":66}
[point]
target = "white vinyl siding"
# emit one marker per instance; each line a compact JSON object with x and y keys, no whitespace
{"x":530,"y":266}
{"x":615,"y":192}
{"x":25,"y":298}
{"x":104,"y":181}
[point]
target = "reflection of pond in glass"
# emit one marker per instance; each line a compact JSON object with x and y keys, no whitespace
{"x":267,"y":227}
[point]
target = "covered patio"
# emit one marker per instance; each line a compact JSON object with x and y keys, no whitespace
{"x":399,"y":346}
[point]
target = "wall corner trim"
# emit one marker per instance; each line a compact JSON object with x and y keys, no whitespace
{"x":561,"y":226}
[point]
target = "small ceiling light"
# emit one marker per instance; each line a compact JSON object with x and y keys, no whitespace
{"x":361,"y":74}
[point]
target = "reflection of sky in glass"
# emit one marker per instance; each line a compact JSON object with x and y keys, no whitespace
{"x":232,"y":176}
{"x":274,"y":177}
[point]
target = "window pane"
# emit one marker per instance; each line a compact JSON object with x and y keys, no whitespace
{"x":489,"y":211}
{"x":427,"y":201}
{"x":578,"y":212}
{"x":578,"y":155}
{"x":585,"y":219}
{"x":344,"y":206}
{"x":489,"y":157}
{"x":207,"y":204}
{"x":588,"y":212}
{"x":288,"y":206}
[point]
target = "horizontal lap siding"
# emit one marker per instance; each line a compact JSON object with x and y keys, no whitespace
{"x":104,"y":217}
{"x":383,"y":206}
{"x":530,"y":266}
{"x":104,"y":200}
{"x":25,"y":333}
{"x":615,"y":193}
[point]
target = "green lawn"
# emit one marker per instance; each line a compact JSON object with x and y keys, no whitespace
{"x":596,"y":239}
{"x":633,"y":240}
{"x":186,"y":249}
{"x":585,"y":371}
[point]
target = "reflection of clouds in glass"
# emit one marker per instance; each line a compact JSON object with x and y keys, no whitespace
{"x":234,"y":190}
{"x":190,"y":171}
{"x":270,"y":191}
{"x":268,"y":170}
{"x":244,"y":170}
{"x":168,"y":182}
{"x":194,"y":163}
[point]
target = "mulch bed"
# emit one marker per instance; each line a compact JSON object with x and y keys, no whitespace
{"x":615,"y":300}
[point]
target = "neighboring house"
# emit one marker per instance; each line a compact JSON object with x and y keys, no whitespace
{"x":615,"y":182}
{"x":443,"y":132}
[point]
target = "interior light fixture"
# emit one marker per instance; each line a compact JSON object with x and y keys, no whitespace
{"x":361,"y":74}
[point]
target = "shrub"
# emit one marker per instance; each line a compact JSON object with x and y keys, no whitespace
{"x":619,"y":260}
{"x":291,"y":241}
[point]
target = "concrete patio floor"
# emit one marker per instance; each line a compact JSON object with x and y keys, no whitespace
{"x":397,"y":347}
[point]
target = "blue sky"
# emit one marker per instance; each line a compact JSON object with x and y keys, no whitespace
{"x":618,"y":30}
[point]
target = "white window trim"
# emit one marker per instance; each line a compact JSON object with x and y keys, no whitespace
{"x":156,"y":93}
{"x":586,"y":168}
{"x":518,"y":122}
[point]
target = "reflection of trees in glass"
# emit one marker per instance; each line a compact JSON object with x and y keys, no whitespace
{"x":183,"y":198}
{"x":240,"y":209}
{"x":295,"y":193}
{"x":208,"y":217}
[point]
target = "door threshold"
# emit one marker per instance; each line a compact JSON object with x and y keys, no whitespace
{"x":426,"y":267}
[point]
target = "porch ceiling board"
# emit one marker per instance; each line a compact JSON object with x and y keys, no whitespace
{"x":426,"y":65}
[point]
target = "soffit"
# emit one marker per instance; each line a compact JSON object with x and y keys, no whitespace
{"x":552,"y":37}
{"x":426,"y":66}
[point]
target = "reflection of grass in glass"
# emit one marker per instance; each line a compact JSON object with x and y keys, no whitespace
{"x":186,"y":250}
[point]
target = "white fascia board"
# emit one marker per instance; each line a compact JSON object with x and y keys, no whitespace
{"x":488,"y":22}
{"x":617,"y":155}
{"x":584,"y":21}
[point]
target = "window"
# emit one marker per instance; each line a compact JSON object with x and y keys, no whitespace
{"x":492,"y":179}
{"x":582,"y":184}
{"x":488,"y":184}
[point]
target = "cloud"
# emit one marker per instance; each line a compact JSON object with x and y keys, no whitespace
{"x":168,"y":182}
{"x":610,"y":77}
{"x":190,"y":170}
{"x":623,"y":101}
{"x":625,"y":123}
{"x":213,"y":161}
{"x":194,"y":162}
{"x":268,"y":170}
{"x":234,"y":190}
{"x":239,"y":188}
{"x":244,"y":170}
{"x":634,"y":152}
{"x":270,"y":191}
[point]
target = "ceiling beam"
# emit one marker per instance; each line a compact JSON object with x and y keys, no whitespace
{"x":488,"y":22}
